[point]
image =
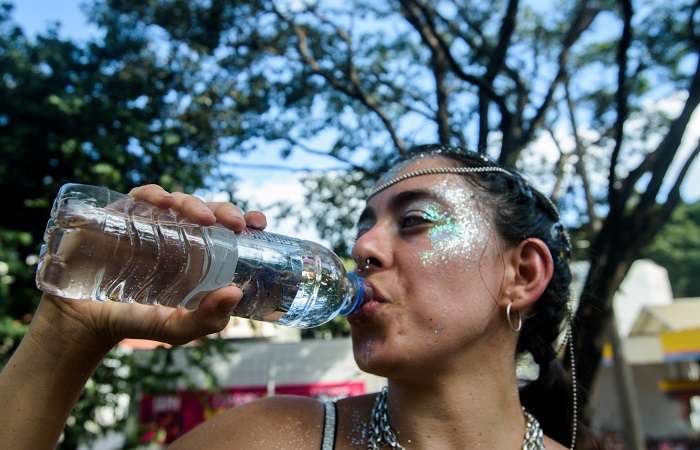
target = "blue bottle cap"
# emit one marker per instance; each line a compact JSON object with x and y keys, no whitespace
{"x":359,"y":297}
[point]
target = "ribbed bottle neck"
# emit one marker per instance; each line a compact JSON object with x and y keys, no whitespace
{"x":357,"y":294}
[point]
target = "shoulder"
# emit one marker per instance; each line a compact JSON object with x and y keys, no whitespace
{"x":353,"y":420}
{"x":551,"y":444}
{"x":280,"y":422}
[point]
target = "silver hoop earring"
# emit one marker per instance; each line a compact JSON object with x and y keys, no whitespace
{"x":510,"y":320}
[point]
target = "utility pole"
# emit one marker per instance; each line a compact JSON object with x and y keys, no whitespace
{"x":627,"y":392}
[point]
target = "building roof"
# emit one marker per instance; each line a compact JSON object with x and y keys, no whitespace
{"x":681,"y":314}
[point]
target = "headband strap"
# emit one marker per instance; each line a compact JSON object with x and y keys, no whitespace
{"x":558,"y":231}
{"x":437,"y":171}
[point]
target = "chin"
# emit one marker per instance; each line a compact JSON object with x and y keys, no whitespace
{"x":375,"y":355}
{"x":366,"y":347}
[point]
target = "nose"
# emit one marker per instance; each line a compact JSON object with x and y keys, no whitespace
{"x":372,"y":250}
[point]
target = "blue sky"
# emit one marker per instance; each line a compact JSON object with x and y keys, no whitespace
{"x":259,"y":187}
{"x":37,"y":15}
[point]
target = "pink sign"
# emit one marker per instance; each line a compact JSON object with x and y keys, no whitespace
{"x":165,"y":417}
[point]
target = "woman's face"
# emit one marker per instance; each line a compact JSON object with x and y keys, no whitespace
{"x":436,"y":272}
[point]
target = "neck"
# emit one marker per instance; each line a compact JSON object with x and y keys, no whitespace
{"x":474,"y":408}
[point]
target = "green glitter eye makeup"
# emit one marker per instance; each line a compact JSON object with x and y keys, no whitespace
{"x":457,"y":234}
{"x":422,"y":212}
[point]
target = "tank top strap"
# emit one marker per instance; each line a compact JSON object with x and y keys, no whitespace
{"x":329,"y":425}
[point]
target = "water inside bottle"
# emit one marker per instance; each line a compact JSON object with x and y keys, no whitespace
{"x":288,"y":281}
{"x":133,"y":252}
{"x":140,"y":254}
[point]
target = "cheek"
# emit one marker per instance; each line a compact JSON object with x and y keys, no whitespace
{"x":458,"y":238}
{"x":456,"y":298}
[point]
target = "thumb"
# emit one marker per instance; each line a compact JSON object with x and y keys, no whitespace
{"x":179,"y":326}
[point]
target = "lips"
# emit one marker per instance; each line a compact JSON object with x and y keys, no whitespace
{"x":374,"y":301}
{"x":372,"y":293}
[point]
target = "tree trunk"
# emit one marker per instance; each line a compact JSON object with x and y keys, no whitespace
{"x":610,"y":259}
{"x":626,"y":392}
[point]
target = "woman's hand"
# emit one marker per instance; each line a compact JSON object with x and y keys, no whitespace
{"x":68,"y":338}
{"x":103,"y":324}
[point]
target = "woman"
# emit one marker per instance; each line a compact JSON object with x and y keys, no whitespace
{"x":467,"y":267}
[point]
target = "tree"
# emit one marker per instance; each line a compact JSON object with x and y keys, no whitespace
{"x":361,"y":82}
{"x":677,"y":248}
{"x":117,"y":112}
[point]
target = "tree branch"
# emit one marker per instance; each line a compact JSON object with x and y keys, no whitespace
{"x":620,"y":99}
{"x":694,"y":38}
{"x":353,"y":90}
{"x":496,"y":62}
{"x":428,"y":32}
{"x":583,"y":19}
{"x":581,"y":164}
{"x":305,"y":148}
{"x":284,"y":168}
{"x":558,"y":168}
{"x":413,"y":13}
{"x":655,"y":218}
{"x":674,"y":194}
{"x":479,"y":49}
{"x":668,"y":147}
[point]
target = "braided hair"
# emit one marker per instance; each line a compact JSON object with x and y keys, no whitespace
{"x":519,"y":212}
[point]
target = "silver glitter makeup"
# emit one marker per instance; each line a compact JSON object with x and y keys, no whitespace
{"x":457,"y":234}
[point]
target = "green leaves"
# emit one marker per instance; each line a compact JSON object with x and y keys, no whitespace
{"x":677,"y":248}
{"x":116,"y":112}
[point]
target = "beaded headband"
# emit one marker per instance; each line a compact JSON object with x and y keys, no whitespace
{"x":557,"y":229}
{"x":436,"y":171}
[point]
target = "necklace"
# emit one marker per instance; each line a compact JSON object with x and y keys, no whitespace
{"x":380,"y":431}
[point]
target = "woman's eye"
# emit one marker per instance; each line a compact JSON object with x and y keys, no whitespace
{"x":413,"y":220}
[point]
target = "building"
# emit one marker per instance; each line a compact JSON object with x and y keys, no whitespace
{"x":661,"y":344}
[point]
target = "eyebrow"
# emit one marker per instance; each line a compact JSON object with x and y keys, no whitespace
{"x":400,"y":200}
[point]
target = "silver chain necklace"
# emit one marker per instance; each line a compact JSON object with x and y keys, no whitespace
{"x":380,"y":431}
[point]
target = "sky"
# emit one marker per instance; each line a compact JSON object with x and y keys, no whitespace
{"x":263,"y":187}
{"x":258,"y":187}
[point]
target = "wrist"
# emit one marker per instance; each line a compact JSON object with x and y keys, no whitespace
{"x":61,"y":330}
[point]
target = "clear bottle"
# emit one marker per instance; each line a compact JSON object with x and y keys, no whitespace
{"x":103,"y":245}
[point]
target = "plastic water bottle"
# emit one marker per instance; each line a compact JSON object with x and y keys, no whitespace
{"x":103,"y":245}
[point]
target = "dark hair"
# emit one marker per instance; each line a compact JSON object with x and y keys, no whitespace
{"x":518,"y":212}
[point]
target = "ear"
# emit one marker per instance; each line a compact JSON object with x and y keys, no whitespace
{"x":532,"y":267}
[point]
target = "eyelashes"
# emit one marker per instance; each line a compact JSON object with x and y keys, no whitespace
{"x":416,"y":218}
{"x":410,"y":220}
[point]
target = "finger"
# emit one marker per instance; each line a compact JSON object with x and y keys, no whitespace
{"x":212,"y":315}
{"x":177,"y":326}
{"x":255,"y":219}
{"x":192,"y":208}
{"x":154,"y":194}
{"x":229,"y":215}
{"x":220,"y":302}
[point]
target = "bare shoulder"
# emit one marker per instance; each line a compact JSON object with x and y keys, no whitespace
{"x":551,"y":444}
{"x":353,"y":421}
{"x":280,"y":422}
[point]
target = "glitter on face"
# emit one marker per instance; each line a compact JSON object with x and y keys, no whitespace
{"x":367,"y":350}
{"x":458,"y":233}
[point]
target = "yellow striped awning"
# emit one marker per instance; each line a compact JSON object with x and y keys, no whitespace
{"x":682,"y":345}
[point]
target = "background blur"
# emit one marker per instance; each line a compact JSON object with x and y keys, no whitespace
{"x":295,"y":107}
